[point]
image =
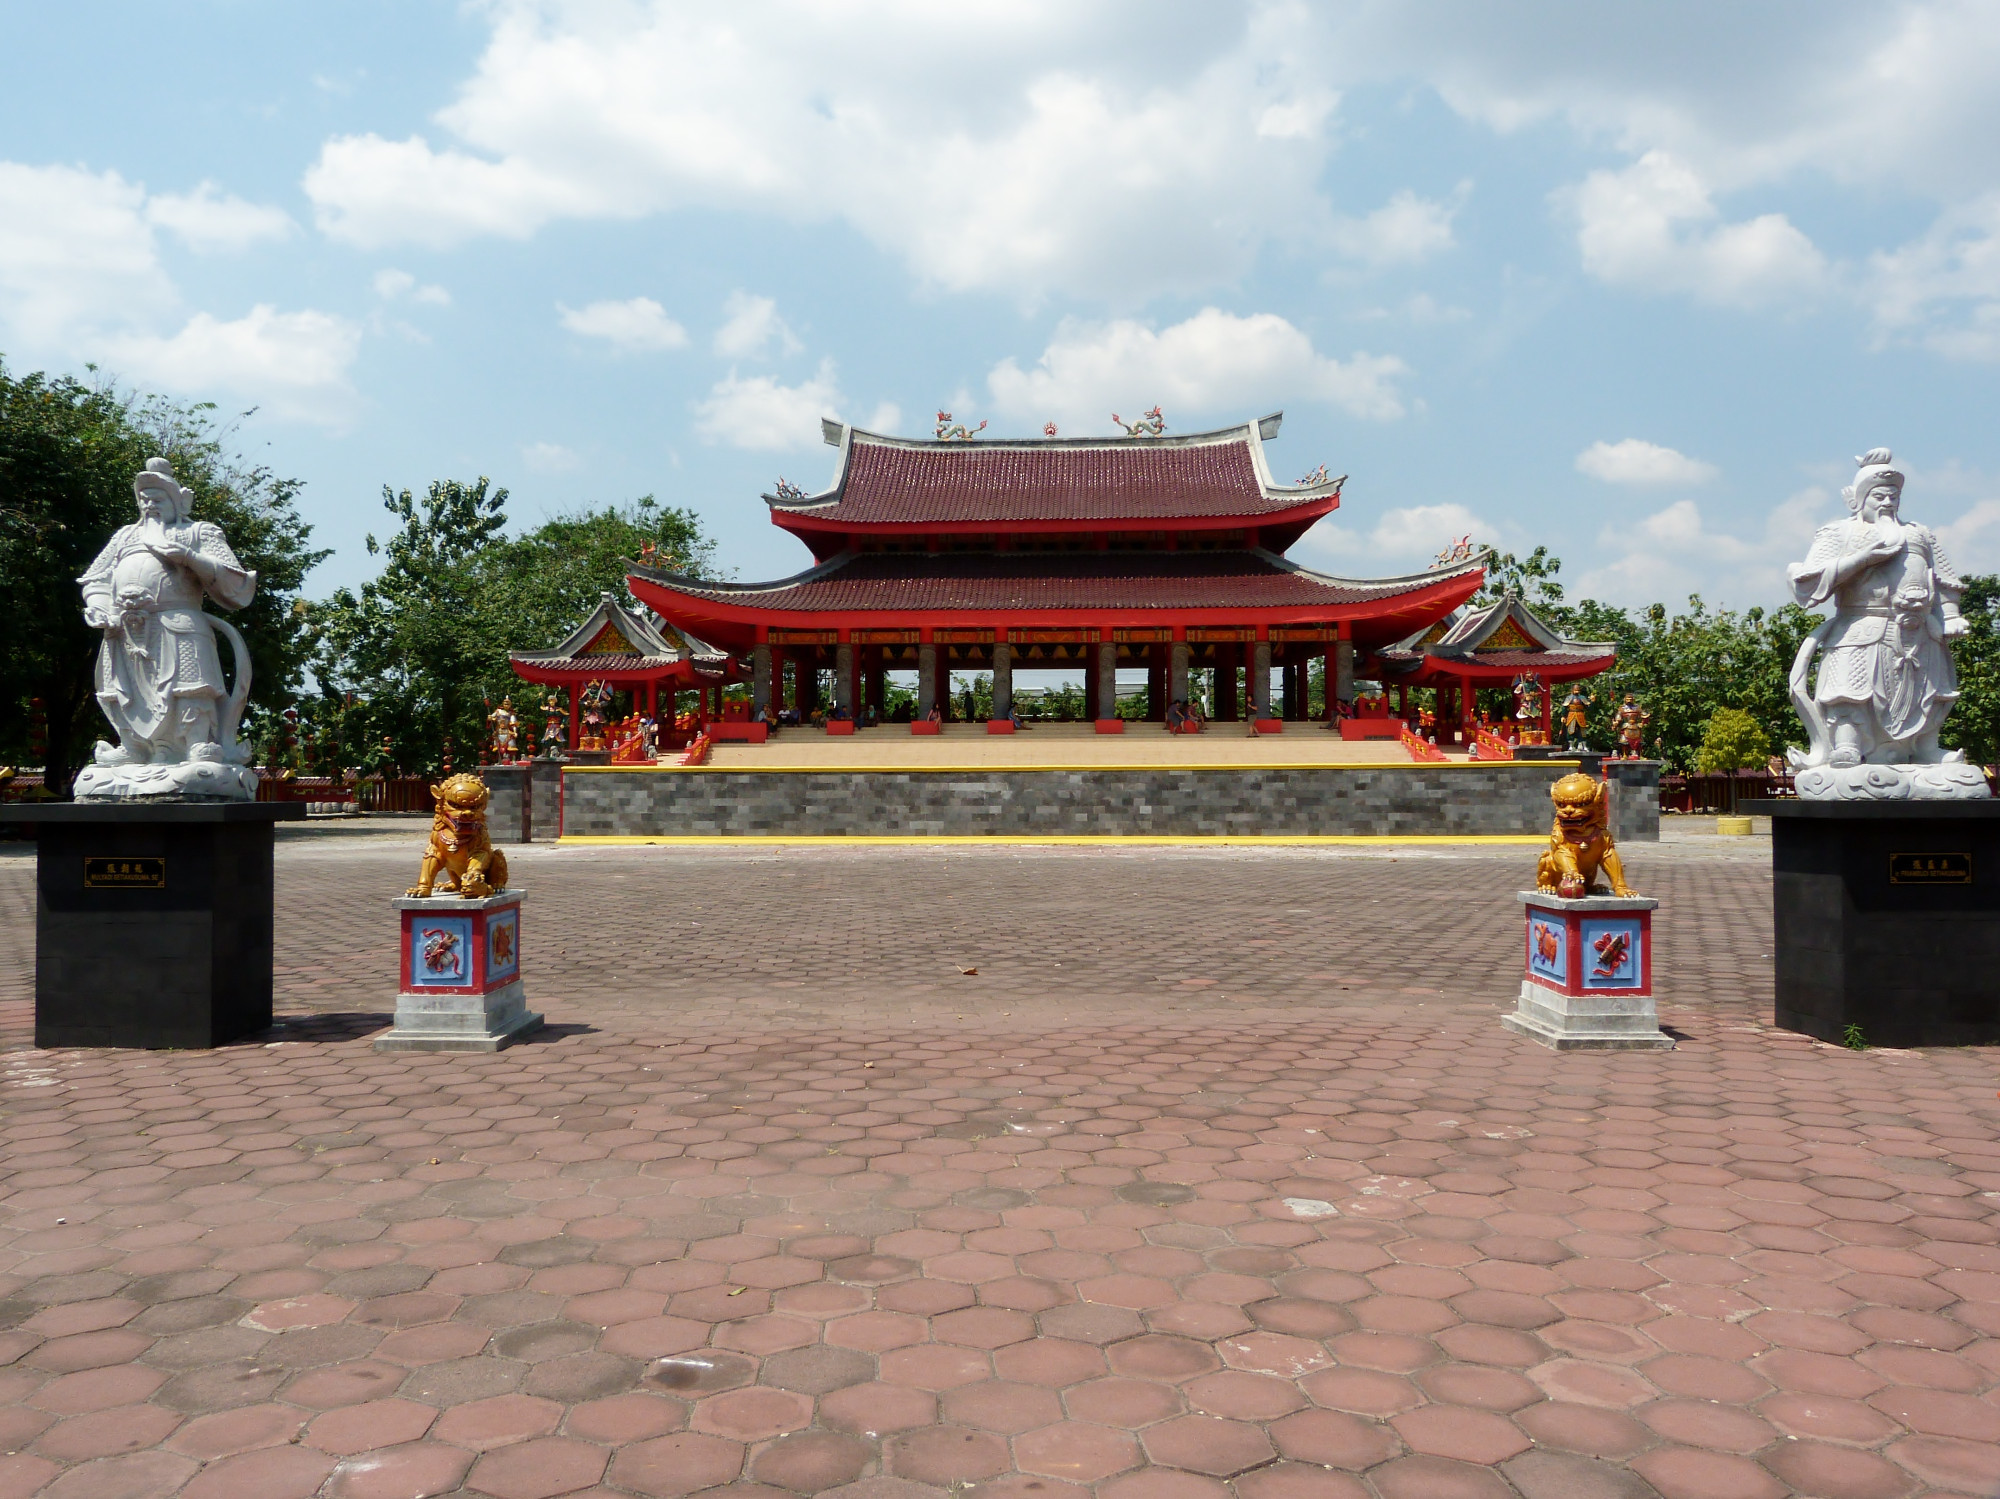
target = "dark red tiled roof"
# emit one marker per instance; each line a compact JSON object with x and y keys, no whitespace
{"x":1509,"y":660}
{"x":894,"y":481}
{"x":915,"y":581}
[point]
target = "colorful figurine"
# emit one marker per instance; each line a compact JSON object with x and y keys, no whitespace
{"x":459,"y":852}
{"x":951,"y":431}
{"x":596,"y":704}
{"x":1630,"y":721}
{"x":555,"y":728}
{"x":1580,"y":841}
{"x":504,"y":732}
{"x":1529,"y":694}
{"x":1152,"y":424}
{"x":1576,"y":715}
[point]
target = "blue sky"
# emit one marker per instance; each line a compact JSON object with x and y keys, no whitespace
{"x":1633,"y":282}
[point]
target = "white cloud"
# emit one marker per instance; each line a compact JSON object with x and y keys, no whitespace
{"x":1405,"y":229}
{"x":1942,"y":289}
{"x":761,"y":413}
{"x":638,"y":325}
{"x":550,"y":458}
{"x":209,"y":219}
{"x":1061,"y":152}
{"x":1403,"y":539}
{"x":1973,"y":540}
{"x":1674,"y":552}
{"x":1213,"y":364}
{"x":751,"y":327}
{"x":1635,"y":462}
{"x":886,"y":417}
{"x":293,"y":364}
{"x":392,"y":285}
{"x":81,"y":280}
{"x":1652,"y":227}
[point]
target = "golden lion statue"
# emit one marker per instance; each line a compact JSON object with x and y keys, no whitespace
{"x":1580,"y":842}
{"x":459,"y":849}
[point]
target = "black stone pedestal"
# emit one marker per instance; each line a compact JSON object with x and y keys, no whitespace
{"x":152,"y":921}
{"x":1887,"y":917}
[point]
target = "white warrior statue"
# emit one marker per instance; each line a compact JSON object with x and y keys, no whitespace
{"x":159,"y":678}
{"x":1885,"y":676}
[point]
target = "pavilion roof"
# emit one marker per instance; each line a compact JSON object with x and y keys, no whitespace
{"x":615,"y":640}
{"x":890,"y":586}
{"x":1504,"y":636}
{"x":1130,"y":481}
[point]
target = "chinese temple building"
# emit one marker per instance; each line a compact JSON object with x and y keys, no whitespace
{"x":1488,"y":647}
{"x":624,"y":650}
{"x":1159,"y":552}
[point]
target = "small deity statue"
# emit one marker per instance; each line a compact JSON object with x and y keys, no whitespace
{"x":596,"y":704}
{"x":505,"y":731}
{"x":1528,"y":695}
{"x":1580,"y":842}
{"x":1630,"y":724}
{"x":159,"y":677}
{"x":1885,"y":683}
{"x":1576,"y":715}
{"x":555,"y":726}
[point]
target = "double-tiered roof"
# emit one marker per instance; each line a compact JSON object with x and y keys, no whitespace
{"x":1100,"y":534}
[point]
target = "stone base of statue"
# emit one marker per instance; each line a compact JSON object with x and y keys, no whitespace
{"x":1588,"y":984}
{"x":1948,"y":781}
{"x":181,"y":781}
{"x":1886,"y":920}
{"x":459,"y":981}
{"x":153,"y":921}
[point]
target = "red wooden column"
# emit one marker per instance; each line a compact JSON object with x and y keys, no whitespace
{"x":574,"y":692}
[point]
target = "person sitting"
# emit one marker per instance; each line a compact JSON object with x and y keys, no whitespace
{"x":868,"y":717}
{"x":1195,"y":722}
{"x":1014,"y":717}
{"x":840,"y":713}
{"x":936,"y":715}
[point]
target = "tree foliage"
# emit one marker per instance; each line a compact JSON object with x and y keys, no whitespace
{"x":1734,"y":741}
{"x":414,"y":657}
{"x":68,"y":454}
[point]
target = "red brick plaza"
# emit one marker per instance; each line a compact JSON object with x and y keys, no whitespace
{"x":1218,"y":1177}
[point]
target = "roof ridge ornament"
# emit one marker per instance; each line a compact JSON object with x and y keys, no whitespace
{"x":951,"y":431}
{"x":1317,"y":476}
{"x":1459,"y":550}
{"x":788,"y":492}
{"x":1152,"y":424}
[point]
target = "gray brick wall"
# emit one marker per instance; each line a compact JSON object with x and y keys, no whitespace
{"x":1507,"y":797}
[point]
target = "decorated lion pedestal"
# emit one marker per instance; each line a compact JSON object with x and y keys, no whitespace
{"x":1587,"y":980}
{"x":458,"y":982}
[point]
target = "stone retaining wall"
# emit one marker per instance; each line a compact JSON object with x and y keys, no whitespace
{"x":1436,"y":800}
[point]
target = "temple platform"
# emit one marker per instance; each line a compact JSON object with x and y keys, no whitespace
{"x":1066,"y":797}
{"x":893,"y":747}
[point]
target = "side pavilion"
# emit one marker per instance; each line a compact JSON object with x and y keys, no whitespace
{"x":1164,"y":552}
{"x":624,"y":650}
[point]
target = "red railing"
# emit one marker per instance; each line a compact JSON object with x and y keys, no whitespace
{"x":697,"y":753}
{"x":1488,"y":745}
{"x":1421,"y":750}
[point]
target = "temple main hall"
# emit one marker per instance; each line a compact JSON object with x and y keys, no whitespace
{"x":1166,"y":553}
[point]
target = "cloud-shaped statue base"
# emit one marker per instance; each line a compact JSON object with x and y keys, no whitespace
{"x":187,"y":781}
{"x":1893,"y":783}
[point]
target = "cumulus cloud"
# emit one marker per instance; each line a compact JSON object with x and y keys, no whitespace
{"x":294,"y":364}
{"x":209,"y":219}
{"x":1062,"y":152}
{"x":760,"y":412}
{"x":1405,"y":229}
{"x":81,"y":280}
{"x":752,"y":328}
{"x":1676,"y":551}
{"x":392,"y":285}
{"x":1635,"y":462}
{"x":1213,"y":364}
{"x":1653,"y":226}
{"x":1405,"y":538}
{"x":635,"y":326}
{"x":1942,"y":289}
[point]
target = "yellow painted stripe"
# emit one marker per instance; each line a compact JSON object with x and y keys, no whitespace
{"x":1124,"y":839}
{"x":959,"y":770}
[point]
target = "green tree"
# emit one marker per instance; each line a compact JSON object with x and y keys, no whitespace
{"x":68,"y":452}
{"x":1974,"y":725}
{"x":1734,"y":741}
{"x":419,"y":652}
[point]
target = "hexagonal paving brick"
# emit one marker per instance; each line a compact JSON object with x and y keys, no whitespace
{"x":1205,"y":1444}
